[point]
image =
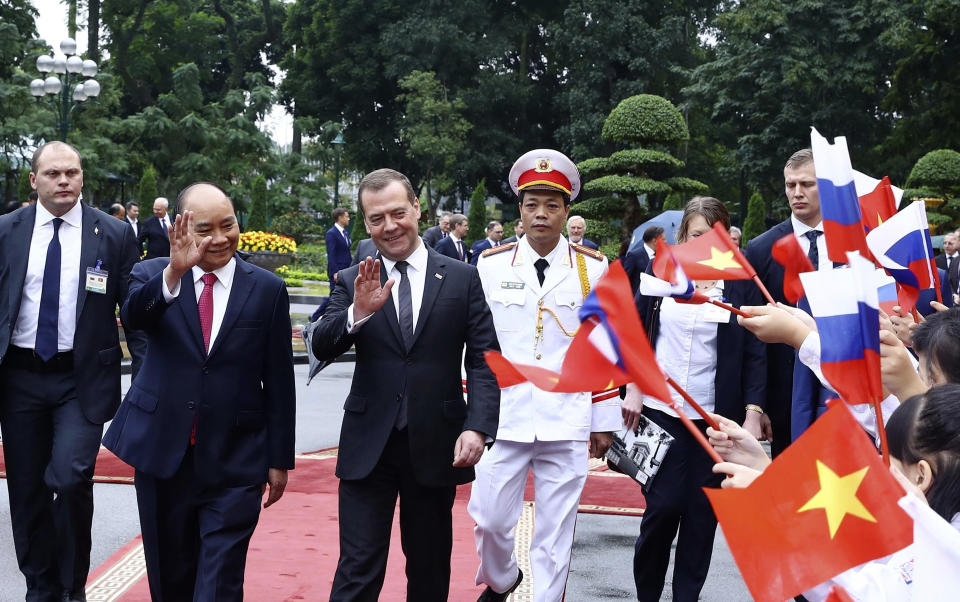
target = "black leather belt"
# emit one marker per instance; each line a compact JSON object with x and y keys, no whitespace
{"x":27,"y":359}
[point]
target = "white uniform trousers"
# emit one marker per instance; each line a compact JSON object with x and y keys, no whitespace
{"x":496,"y":503}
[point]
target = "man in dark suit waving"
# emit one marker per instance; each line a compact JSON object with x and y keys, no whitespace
{"x":65,"y":270}
{"x":209,"y":422}
{"x":338,"y":243}
{"x":406,"y":429}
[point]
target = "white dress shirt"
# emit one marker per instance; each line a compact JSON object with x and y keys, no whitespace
{"x":416,"y":272}
{"x":135,"y":225}
{"x":800,"y":230}
{"x":221,"y":292}
{"x":458,"y":244}
{"x":25,"y":330}
{"x":687,"y":351}
{"x":651,"y":252}
{"x":341,"y":230}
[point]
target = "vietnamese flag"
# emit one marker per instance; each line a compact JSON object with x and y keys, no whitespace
{"x":710,"y":256}
{"x":878,"y":206}
{"x":787,"y":252}
{"x":825,"y":505}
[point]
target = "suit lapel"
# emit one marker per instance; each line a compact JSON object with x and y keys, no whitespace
{"x":389,"y":309}
{"x":240,"y":291}
{"x":91,"y":236}
{"x":187,"y":300}
{"x":436,"y":264}
{"x":21,"y":234}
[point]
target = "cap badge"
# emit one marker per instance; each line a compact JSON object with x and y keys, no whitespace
{"x":543,"y":165}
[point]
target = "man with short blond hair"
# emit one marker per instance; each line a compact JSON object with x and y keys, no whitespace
{"x":453,"y":245}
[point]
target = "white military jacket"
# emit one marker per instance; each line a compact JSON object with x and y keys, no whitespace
{"x":516,"y":300}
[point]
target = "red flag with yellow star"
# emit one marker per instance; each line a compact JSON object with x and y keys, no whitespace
{"x":825,"y":505}
{"x":878,"y":206}
{"x":710,"y":256}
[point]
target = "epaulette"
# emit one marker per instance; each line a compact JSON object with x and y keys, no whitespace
{"x":498,"y":249}
{"x":587,"y":251}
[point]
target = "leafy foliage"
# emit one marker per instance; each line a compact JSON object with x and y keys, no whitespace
{"x":296,"y":225}
{"x":147,"y":189}
{"x":754,"y":225}
{"x":645,"y":119}
{"x":258,"y":205}
{"x":936,"y":177}
{"x":478,"y":214}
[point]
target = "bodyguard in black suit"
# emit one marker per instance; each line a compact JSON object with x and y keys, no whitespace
{"x":949,"y":260}
{"x":154,"y":231}
{"x":209,"y":421}
{"x":494,"y":234}
{"x":64,"y":271}
{"x":338,"y":243}
{"x":406,"y":429}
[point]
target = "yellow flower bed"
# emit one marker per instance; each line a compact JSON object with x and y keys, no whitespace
{"x":266,"y":241}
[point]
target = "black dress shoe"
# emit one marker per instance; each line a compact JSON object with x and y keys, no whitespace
{"x":489,"y":595}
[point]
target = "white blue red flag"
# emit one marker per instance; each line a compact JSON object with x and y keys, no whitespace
{"x":839,"y":206}
{"x":843,"y":301}
{"x":902,"y":245}
{"x":886,"y":291}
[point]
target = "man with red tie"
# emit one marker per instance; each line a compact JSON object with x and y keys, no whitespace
{"x":208,"y":442}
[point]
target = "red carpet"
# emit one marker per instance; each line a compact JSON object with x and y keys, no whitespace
{"x":293,"y":553}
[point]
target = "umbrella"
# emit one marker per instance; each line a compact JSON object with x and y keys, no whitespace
{"x":668,"y":220}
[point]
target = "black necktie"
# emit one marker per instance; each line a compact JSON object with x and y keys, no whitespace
{"x":46,"y":343}
{"x":163,"y":226}
{"x":406,"y":305}
{"x":541,"y":265}
{"x":814,"y":252}
{"x":949,"y":262}
{"x":460,"y":249}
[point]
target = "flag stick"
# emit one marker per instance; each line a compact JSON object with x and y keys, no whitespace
{"x":696,"y":406}
{"x":882,"y":430}
{"x":696,"y":432}
{"x":764,"y":290}
{"x":730,"y":308}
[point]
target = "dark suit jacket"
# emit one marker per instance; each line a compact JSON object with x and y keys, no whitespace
{"x":136,"y":229}
{"x":479,"y":247}
{"x":928,"y":294}
{"x":338,"y":252}
{"x":741,"y":359}
{"x":453,"y":314}
{"x":635,"y":263}
{"x":158,"y":242}
{"x":509,"y":240}
{"x":586,"y":242}
{"x":780,"y":357}
{"x":365,"y":248}
{"x":96,"y":342}
{"x":953,"y":272}
{"x":242,"y":393}
{"x":447,"y":247}
{"x":432,"y":235}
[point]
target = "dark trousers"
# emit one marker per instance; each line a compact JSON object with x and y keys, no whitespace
{"x":137,"y":345}
{"x":366,"y":518}
{"x":675,"y":503}
{"x":50,"y":450}
{"x":195,"y":538}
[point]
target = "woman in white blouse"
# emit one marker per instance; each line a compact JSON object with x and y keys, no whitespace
{"x":723,"y":367}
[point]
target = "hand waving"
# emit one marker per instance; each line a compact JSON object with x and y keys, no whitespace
{"x":185,"y":250}
{"x":368,"y":295}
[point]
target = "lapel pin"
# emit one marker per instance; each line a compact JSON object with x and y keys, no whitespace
{"x":437,"y":276}
{"x":96,"y":231}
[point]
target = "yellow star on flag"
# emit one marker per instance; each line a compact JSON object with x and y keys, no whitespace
{"x":838,"y":496}
{"x":720,"y":260}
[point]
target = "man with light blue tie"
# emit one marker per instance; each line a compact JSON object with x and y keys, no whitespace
{"x":453,"y":246}
{"x":67,"y":271}
{"x":338,"y":244}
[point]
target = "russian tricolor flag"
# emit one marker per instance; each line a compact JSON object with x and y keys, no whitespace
{"x":844,"y":303}
{"x":902,"y":245}
{"x":886,"y":291}
{"x":839,"y":205}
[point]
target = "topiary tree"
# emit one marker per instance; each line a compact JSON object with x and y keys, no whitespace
{"x":478,"y":214}
{"x":755,"y":223}
{"x":258,"y":205}
{"x":632,"y":183}
{"x":935,"y":179}
{"x":358,"y":231}
{"x":147,"y":189}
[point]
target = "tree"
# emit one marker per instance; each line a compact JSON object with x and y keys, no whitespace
{"x":774,"y":74}
{"x":935,"y":179}
{"x":258,"y":205}
{"x":432,"y":129}
{"x":478,"y":214}
{"x":147,"y":189}
{"x":755,"y":224}
{"x":645,"y":173}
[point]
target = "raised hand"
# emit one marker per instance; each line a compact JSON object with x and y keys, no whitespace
{"x":185,"y":248}
{"x":368,"y":295}
{"x":735,"y":444}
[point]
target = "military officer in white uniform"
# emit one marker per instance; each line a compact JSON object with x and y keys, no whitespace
{"x":535,"y":288}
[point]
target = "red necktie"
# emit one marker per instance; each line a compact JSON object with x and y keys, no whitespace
{"x":205,"y":307}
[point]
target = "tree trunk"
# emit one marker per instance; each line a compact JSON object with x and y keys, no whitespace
{"x":93,"y":30}
{"x":72,"y":19}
